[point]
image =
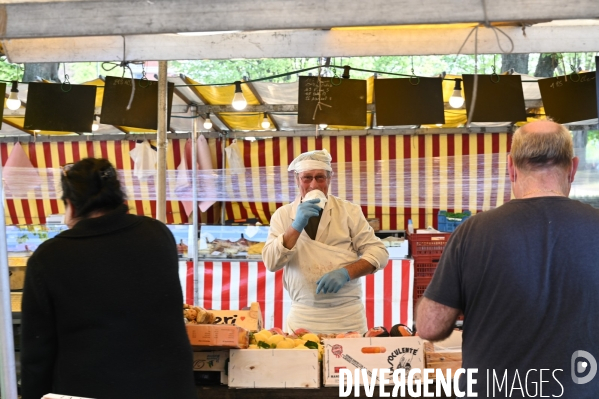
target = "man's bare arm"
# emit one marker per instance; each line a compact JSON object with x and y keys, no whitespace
{"x":359,"y":268}
{"x":434,"y":321}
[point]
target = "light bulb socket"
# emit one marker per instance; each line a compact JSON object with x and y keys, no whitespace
{"x":458,"y":85}
{"x":346,"y":72}
{"x":238,"y":87}
{"x":15,"y":87}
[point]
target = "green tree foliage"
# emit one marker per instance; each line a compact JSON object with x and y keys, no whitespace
{"x":228,"y":71}
{"x":9,"y":71}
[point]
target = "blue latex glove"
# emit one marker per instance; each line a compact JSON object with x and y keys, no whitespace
{"x":332,"y":282}
{"x":305,"y":211}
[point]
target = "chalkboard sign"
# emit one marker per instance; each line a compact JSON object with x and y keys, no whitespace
{"x":60,"y":107}
{"x":414,"y":101}
{"x":341,"y":102}
{"x":499,"y":98}
{"x":3,"y":88}
{"x":570,"y":98}
{"x":144,"y":107}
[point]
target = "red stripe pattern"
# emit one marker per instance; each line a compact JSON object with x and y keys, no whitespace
{"x":235,"y":285}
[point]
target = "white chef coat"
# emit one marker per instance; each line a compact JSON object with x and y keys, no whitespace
{"x":343,"y":237}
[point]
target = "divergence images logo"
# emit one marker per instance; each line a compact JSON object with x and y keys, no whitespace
{"x":579,"y":366}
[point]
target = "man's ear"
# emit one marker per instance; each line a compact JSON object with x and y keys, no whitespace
{"x":511,"y":168}
{"x":575,"y":162}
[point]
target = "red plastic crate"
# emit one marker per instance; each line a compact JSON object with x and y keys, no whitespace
{"x":425,"y":266}
{"x":427,"y":244}
{"x":420,"y":284}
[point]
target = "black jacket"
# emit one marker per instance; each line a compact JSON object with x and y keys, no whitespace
{"x":102,"y":313}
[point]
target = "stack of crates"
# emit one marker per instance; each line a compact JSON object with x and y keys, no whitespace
{"x":426,"y":250}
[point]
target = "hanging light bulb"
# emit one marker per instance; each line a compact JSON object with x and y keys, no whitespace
{"x":323,"y":126}
{"x":265,"y":122}
{"x":207,"y":122}
{"x":456,"y":100}
{"x":13,"y":103}
{"x":95,"y":125}
{"x":239,"y":101}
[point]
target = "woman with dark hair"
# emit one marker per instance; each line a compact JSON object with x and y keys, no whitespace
{"x":102,"y":302}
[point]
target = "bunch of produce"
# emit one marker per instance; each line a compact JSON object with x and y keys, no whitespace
{"x":398,"y":330}
{"x":275,"y":338}
{"x":197,"y":315}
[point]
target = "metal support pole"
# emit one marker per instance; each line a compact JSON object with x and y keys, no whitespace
{"x":194,"y":200}
{"x":161,"y":142}
{"x":223,"y":212}
{"x":7,"y":346}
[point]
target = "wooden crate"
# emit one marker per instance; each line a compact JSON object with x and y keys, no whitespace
{"x":274,"y":368}
{"x":444,"y":361}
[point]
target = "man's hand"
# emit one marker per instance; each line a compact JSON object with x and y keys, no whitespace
{"x":305,"y":211}
{"x":332,"y":282}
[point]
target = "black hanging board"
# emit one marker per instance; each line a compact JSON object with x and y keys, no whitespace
{"x":144,"y":108}
{"x":409,"y":101}
{"x":3,"y":88}
{"x":60,"y":107}
{"x":499,"y":98}
{"x":346,"y":97}
{"x":570,"y":98}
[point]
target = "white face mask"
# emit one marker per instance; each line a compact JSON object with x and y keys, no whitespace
{"x":317,"y":194}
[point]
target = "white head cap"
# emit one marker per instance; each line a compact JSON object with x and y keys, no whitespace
{"x":311,"y":160}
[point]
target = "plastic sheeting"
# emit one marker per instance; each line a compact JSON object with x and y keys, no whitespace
{"x":438,"y":182}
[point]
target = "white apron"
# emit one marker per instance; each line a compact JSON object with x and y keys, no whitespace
{"x":322,"y":313}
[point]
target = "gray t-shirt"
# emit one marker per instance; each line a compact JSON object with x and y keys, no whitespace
{"x":526,"y":276}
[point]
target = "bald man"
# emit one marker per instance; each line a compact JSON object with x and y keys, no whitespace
{"x":526,"y":277}
{"x":325,"y":245}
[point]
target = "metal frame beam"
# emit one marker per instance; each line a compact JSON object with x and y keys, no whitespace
{"x":106,"y":18}
{"x":571,"y":36}
{"x":282,"y":133}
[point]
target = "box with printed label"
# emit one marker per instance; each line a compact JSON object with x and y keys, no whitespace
{"x":274,"y":368}
{"x":250,"y":319}
{"x":210,"y":360}
{"x":371,"y":353}
{"x":202,"y":336}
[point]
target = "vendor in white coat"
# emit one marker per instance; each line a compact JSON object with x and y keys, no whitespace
{"x":325,"y":245}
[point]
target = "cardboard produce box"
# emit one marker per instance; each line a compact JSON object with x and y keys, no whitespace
{"x":210,"y":360}
{"x":208,"y":336}
{"x":250,"y":319}
{"x":207,"y":362}
{"x":370,"y":353}
{"x":274,"y":368}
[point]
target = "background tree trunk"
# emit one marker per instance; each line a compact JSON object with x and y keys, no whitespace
{"x":546,"y":66}
{"x":517,"y":61}
{"x":47,"y":71}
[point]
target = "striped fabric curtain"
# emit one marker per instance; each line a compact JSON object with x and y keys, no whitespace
{"x":393,"y":178}
{"x":449,"y":172}
{"x":55,"y":154}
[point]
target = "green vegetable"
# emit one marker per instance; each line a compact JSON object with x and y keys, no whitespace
{"x":311,"y":345}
